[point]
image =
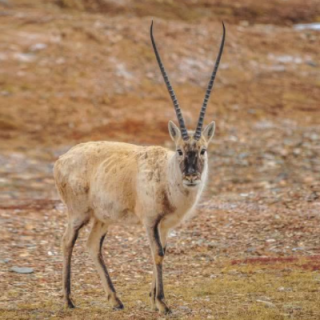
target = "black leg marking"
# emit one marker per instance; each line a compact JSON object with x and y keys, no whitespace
{"x":67,"y":279}
{"x":158,"y":251}
{"x":68,"y":269}
{"x":160,"y":293}
{"x":110,"y":284}
{"x":67,"y":284}
{"x":159,"y":286}
{"x":157,"y":237}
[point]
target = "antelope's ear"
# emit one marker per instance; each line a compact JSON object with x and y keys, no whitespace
{"x":174,"y":131}
{"x":208,"y":131}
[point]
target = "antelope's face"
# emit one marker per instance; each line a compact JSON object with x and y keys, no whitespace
{"x":191,"y":154}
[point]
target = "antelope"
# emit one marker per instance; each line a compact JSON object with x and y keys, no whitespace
{"x":115,"y":182}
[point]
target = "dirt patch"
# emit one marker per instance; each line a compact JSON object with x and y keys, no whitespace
{"x":78,"y":71}
{"x":271,"y":12}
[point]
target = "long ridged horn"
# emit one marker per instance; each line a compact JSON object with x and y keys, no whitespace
{"x":197,"y":133}
{"x":183,"y":129}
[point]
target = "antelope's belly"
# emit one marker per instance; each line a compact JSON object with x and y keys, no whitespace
{"x":109,"y":211}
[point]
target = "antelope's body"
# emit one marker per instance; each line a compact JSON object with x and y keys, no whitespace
{"x":121,"y":183}
{"x":113,"y":183}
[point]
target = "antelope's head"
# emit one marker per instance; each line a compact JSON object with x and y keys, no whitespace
{"x":191,"y":146}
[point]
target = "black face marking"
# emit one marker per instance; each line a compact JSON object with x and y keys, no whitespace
{"x":192,"y":163}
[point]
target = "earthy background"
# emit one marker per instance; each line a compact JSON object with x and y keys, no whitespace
{"x":80,"y":70}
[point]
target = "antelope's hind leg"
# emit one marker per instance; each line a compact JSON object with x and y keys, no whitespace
{"x":68,"y":241}
{"x":94,"y":244}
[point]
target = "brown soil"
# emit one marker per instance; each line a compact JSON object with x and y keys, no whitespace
{"x":74,"y":71}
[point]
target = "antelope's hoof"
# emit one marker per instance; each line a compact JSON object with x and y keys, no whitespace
{"x":166,"y":311}
{"x":154,"y":306}
{"x":70,"y":304}
{"x":162,"y":307}
{"x":118,"y":305}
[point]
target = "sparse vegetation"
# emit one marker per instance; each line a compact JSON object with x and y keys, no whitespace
{"x":252,"y":252}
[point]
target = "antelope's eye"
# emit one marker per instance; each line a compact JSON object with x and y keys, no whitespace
{"x":203,"y":151}
{"x":180,"y":153}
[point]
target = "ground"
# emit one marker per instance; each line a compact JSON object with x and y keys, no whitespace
{"x":74,"y":71}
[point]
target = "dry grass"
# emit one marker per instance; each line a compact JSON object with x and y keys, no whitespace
{"x":253,"y":250}
{"x":273,"y":11}
{"x":208,"y":274}
{"x":244,"y":293}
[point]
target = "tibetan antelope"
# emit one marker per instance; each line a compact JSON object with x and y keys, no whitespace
{"x":114,"y":182}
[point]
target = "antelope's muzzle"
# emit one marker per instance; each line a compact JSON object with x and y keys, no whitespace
{"x":191,"y":180}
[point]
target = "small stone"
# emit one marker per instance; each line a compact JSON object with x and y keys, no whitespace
{"x":298,"y":249}
{"x":4,"y":260}
{"x":244,"y":23}
{"x":267,"y":303}
{"x":311,"y":63}
{"x":184,"y":308}
{"x":244,"y":194}
{"x":38,"y":47}
{"x":296,"y":151}
{"x":314,"y":137}
{"x":24,"y":57}
{"x":283,"y":289}
{"x":291,"y":307}
{"x":22,"y":270}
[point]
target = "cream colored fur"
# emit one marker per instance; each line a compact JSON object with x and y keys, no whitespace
{"x":112,"y":183}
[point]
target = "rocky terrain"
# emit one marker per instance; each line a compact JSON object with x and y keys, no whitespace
{"x":74,"y":71}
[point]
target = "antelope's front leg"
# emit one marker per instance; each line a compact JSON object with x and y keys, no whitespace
{"x":163,"y":229}
{"x":158,"y":255}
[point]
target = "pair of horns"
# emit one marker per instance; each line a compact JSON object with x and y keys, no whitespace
{"x":184,"y":132}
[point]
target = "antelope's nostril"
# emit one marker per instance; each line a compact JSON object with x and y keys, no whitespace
{"x":191,"y":177}
{"x":191,"y":180}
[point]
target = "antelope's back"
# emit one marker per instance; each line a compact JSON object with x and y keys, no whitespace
{"x":77,"y":171}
